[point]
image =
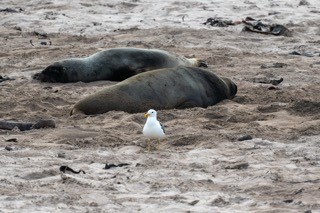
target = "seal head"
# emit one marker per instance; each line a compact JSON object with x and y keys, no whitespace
{"x":53,"y":73}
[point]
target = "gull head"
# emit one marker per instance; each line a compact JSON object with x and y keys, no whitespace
{"x":151,"y":113}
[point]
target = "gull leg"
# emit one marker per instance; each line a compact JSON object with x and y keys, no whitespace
{"x":149,"y":145}
{"x":158,"y":146}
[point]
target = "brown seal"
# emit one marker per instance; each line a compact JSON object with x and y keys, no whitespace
{"x":113,"y":64}
{"x":178,"y":87}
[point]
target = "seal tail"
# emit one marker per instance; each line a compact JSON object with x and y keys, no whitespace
{"x":73,"y":111}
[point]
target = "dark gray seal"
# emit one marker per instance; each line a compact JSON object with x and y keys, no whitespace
{"x":178,"y":87}
{"x":113,"y":64}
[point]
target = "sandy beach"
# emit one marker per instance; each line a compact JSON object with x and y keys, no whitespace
{"x":202,"y":165}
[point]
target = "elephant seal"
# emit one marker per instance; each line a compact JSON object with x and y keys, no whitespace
{"x":179,"y":87}
{"x":113,"y":64}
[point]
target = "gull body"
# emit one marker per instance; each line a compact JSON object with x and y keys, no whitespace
{"x":153,"y":129}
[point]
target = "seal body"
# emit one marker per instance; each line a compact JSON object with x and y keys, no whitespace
{"x":113,"y":64}
{"x":178,"y":87}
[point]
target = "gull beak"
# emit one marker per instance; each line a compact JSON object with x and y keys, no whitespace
{"x":146,"y":115}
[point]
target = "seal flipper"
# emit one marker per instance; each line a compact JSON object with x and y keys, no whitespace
{"x":202,"y":63}
{"x":123,"y":73}
{"x":197,"y":62}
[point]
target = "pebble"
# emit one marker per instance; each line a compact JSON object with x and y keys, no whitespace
{"x":12,"y":140}
{"x":194,"y":202}
{"x":9,"y":148}
{"x":61,"y":155}
{"x":245,"y":137}
{"x":242,"y":165}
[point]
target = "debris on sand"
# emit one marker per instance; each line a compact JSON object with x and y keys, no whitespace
{"x":245,"y":138}
{"x":273,"y":65}
{"x":24,"y":126}
{"x":11,"y":10}
{"x":5,"y":78}
{"x":252,"y":25}
{"x":40,"y":34}
{"x":273,"y":88}
{"x":12,"y":140}
{"x":274,"y":82}
{"x":258,"y":26}
{"x":61,"y":155}
{"x":265,"y":80}
{"x":218,"y":22}
{"x":67,"y":168}
{"x":302,"y":53}
{"x":306,"y":50}
{"x":304,"y":3}
{"x":8,"y":148}
{"x":109,"y":166}
{"x":238,"y":165}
